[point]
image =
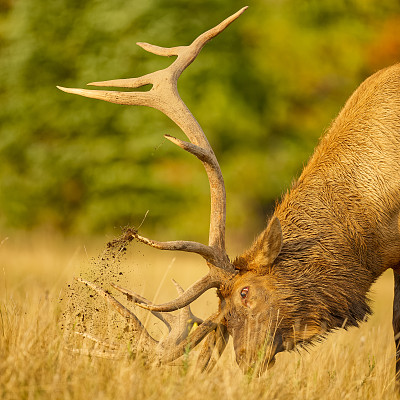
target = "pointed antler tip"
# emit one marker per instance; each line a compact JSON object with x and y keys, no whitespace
{"x":69,"y":90}
{"x":170,"y":138}
{"x":240,"y":12}
{"x":95,"y":84}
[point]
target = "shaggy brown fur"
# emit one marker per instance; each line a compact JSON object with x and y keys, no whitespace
{"x":330,"y":238}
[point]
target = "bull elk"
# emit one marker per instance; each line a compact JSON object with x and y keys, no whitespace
{"x":332,"y":235}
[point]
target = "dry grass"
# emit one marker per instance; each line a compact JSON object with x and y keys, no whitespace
{"x":35,"y":361}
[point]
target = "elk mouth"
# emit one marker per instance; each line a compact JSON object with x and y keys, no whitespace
{"x":256,"y":364}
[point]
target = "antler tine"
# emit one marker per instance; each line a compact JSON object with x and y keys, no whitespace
{"x":164,"y":96}
{"x":210,"y":254}
{"x":181,"y":325}
{"x":186,"y":319}
{"x":138,"y":98}
{"x":129,"y":315}
{"x":213,"y":347}
{"x":202,"y":154}
{"x":195,"y":337}
{"x":197,"y":44}
{"x":185,"y":58}
{"x":167,"y":319}
{"x":188,"y":296}
{"x":193,"y":318}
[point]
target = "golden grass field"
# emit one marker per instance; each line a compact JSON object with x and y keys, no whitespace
{"x":36,"y":361}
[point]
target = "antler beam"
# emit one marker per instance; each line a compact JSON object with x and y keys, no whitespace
{"x":164,"y":96}
{"x":185,"y":298}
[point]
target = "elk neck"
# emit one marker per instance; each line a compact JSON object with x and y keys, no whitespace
{"x":340,"y":220}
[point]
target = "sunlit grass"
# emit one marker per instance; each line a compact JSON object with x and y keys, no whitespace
{"x":36,"y":361}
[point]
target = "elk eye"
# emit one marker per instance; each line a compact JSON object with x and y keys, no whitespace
{"x":244,"y":292}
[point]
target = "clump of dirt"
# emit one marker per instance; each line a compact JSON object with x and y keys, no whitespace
{"x":85,"y":312}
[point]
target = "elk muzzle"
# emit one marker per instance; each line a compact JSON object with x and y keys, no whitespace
{"x":256,"y":360}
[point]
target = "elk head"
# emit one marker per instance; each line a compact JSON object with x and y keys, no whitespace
{"x":250,"y":304}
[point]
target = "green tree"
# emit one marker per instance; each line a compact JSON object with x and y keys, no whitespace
{"x":263,"y":91}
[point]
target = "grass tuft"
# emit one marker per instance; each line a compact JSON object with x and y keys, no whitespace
{"x":36,"y":361}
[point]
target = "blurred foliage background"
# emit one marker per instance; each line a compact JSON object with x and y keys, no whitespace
{"x":264,"y":91}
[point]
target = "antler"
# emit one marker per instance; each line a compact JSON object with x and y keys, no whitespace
{"x":164,"y":96}
{"x":175,"y":344}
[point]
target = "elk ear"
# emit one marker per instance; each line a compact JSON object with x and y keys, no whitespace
{"x":268,"y":245}
{"x":264,"y":250}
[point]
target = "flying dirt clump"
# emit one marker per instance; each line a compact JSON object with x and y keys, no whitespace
{"x":87,"y":319}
